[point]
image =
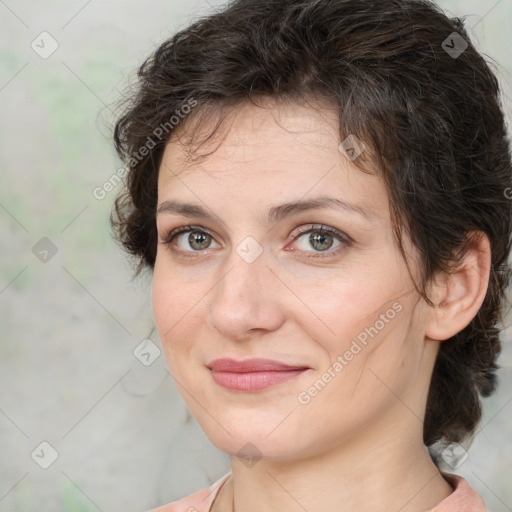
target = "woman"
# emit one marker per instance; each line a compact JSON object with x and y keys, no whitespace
{"x":318,"y":189}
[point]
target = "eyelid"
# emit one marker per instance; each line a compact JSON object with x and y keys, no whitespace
{"x":171,"y":235}
{"x":322,"y":227}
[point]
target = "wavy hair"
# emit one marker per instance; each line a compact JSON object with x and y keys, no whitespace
{"x":408,"y":82}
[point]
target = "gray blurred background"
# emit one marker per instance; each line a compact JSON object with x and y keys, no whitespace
{"x":88,"y":420}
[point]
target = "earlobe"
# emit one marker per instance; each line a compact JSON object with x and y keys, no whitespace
{"x":459,"y":295}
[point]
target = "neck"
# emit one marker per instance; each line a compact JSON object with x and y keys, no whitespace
{"x":392,"y":473}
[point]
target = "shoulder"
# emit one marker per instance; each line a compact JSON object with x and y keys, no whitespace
{"x":199,"y":501}
{"x":462,"y":499}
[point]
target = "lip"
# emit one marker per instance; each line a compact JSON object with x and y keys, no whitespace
{"x":251,"y":365}
{"x":252,"y":374}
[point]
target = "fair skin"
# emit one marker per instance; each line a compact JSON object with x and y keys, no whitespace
{"x":358,"y":441}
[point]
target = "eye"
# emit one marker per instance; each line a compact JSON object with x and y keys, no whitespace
{"x":197,"y":239}
{"x":322,"y":240}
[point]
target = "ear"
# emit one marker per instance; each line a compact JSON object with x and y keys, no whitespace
{"x":458,"y":296}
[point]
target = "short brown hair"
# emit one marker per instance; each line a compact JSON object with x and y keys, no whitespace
{"x":408,"y":82}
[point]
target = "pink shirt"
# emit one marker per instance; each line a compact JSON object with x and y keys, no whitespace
{"x":462,"y":499}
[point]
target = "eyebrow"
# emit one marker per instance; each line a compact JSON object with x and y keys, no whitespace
{"x":275,"y":214}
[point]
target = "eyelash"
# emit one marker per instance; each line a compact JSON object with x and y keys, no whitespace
{"x":344,"y":239}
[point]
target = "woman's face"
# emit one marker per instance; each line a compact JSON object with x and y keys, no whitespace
{"x":256,"y":279}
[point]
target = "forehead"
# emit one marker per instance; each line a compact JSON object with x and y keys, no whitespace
{"x":249,"y":129}
{"x":279,"y":149}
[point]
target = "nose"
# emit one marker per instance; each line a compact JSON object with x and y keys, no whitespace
{"x":246,"y":300}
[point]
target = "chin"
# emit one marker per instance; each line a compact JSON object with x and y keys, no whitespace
{"x":246,"y":441}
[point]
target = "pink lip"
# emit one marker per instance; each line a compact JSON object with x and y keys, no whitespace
{"x":252,"y":374}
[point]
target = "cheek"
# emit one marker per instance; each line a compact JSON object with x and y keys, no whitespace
{"x":356,"y":307}
{"x":174,"y":295}
{"x":179,"y":306}
{"x":163,"y":297}
{"x":381,"y":359}
{"x":168,"y":299}
{"x":366,"y":326}
{"x":352,"y":292}
{"x":360,"y":385}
